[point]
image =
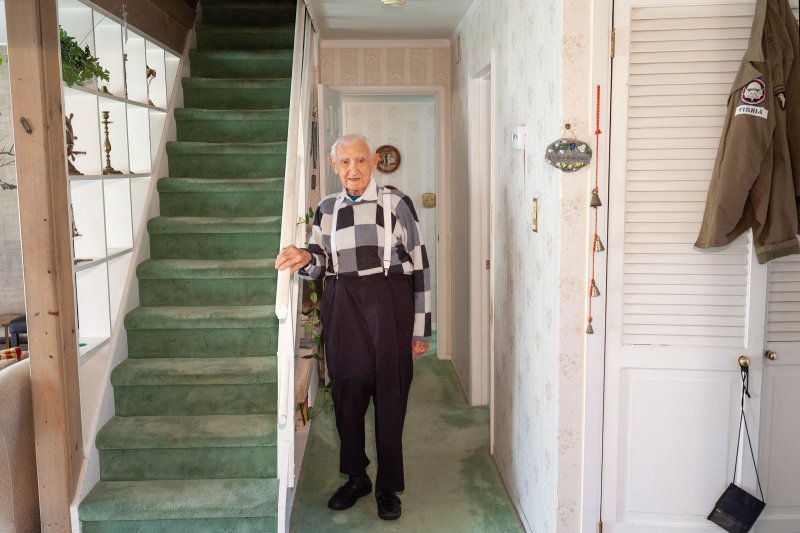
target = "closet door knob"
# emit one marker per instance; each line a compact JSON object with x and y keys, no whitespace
{"x":772,"y":356}
{"x":744,"y":361}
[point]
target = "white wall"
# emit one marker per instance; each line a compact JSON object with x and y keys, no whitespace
{"x":409,"y":124}
{"x":12,"y":292}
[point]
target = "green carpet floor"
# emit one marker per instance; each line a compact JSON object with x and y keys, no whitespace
{"x":452,"y":484}
{"x":192,"y":447}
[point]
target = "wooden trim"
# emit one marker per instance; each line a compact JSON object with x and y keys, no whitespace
{"x":378,"y":43}
{"x":35,"y":74}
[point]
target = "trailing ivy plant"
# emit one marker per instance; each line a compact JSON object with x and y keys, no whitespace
{"x":78,"y":65}
{"x":313,"y":326}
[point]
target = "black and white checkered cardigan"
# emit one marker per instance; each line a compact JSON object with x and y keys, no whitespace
{"x":359,"y":242}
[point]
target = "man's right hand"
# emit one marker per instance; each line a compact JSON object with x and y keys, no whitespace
{"x":293,"y":258}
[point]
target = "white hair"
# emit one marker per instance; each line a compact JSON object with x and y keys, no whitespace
{"x":350,"y":139}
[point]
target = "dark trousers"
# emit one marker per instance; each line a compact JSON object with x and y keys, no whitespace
{"x":367,"y":329}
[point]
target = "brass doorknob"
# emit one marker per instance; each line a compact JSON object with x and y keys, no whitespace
{"x":744,"y":361}
{"x":772,"y":356}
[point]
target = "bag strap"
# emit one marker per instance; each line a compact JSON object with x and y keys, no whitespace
{"x":745,"y":372}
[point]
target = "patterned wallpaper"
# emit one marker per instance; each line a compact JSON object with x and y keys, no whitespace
{"x":528,"y":78}
{"x":385,"y":66}
{"x":12,"y":292}
{"x":409,"y":124}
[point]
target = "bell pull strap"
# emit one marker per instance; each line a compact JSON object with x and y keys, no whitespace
{"x":745,"y":372}
{"x":387,"y":231}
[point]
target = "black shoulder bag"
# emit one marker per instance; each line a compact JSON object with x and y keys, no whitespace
{"x":737,"y":510}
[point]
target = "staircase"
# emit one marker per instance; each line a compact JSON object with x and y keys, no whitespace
{"x":193,"y":444}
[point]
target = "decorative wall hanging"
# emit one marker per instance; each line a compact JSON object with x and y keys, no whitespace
{"x":594,"y":204}
{"x":389,"y":158}
{"x":109,"y":169}
{"x":568,"y":154}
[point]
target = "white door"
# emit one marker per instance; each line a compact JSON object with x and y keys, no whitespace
{"x":330,"y":128}
{"x":779,"y":463}
{"x":678,"y":318}
{"x":409,"y":124}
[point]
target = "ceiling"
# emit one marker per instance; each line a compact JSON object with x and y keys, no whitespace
{"x":369,"y":19}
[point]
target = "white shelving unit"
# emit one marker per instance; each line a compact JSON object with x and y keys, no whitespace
{"x":107,"y":207}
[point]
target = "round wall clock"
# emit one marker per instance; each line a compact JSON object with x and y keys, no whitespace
{"x":389,"y":158}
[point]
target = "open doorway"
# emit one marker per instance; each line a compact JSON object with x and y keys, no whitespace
{"x":413,"y":120}
{"x":408,"y":123}
{"x":481,"y":226}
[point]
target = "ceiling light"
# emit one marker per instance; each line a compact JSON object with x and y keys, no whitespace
{"x":396,"y":3}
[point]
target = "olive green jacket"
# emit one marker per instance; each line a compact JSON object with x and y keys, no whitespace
{"x":756,"y":176}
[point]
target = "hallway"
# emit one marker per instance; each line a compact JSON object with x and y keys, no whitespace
{"x":452,"y":484}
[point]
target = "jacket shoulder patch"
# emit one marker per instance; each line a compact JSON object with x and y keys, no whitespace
{"x":754,"y":92}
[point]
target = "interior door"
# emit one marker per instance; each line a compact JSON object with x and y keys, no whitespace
{"x":779,"y":463}
{"x":678,"y":318}
{"x":330,"y":128}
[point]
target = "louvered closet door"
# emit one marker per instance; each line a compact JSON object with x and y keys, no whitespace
{"x":779,"y":464}
{"x":678,"y":318}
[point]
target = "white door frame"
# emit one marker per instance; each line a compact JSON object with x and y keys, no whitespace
{"x":443,"y":248}
{"x":594,"y":362}
{"x":481,"y":171}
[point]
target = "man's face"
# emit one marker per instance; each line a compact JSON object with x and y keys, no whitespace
{"x":354,"y":165}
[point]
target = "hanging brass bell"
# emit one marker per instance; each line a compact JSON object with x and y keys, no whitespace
{"x":594,"y":291}
{"x":595,"y":199}
{"x":598,"y":244}
{"x":589,"y":328}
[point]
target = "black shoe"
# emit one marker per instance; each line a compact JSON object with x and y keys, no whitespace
{"x":389,"y":506}
{"x":349,"y":493}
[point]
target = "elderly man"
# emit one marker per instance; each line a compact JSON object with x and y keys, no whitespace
{"x":375,"y":315}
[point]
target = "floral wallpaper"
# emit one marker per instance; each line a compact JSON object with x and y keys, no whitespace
{"x":539,"y":300}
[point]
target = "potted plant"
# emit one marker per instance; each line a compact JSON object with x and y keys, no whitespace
{"x":78,"y":65}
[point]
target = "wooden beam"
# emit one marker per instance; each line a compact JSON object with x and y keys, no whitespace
{"x":35,"y":74}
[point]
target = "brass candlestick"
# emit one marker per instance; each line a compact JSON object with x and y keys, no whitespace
{"x":109,"y":169}
{"x":151,"y":74}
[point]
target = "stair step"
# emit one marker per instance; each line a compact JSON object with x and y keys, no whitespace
{"x":156,"y":332}
{"x":205,"y":197}
{"x":211,"y":431}
{"x":188,"y":447}
{"x":232,"y":126}
{"x":246,"y":64}
{"x":214,"y":237}
{"x":209,"y":93}
{"x":195,"y":371}
{"x":229,"y":160}
{"x":181,"y":499}
{"x":176,"y":282}
{"x":210,"y":37}
{"x":195,"y":386}
{"x":205,"y":317}
{"x":249,"y":13}
{"x":188,"y":269}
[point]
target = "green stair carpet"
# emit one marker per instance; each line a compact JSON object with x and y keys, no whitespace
{"x":193,"y":444}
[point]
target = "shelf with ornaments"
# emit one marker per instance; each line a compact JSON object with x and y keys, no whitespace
{"x":113,"y":132}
